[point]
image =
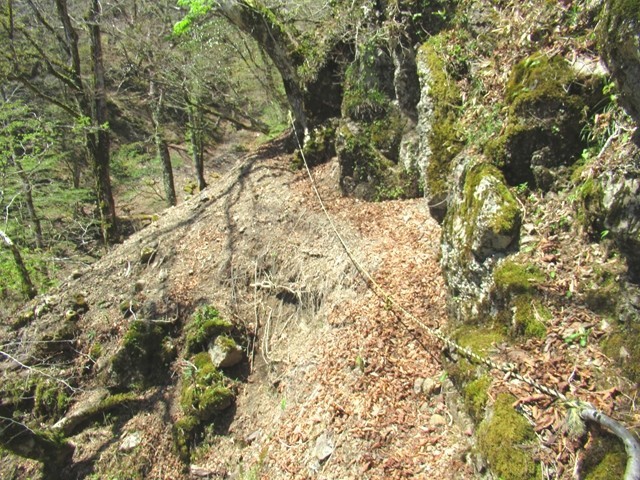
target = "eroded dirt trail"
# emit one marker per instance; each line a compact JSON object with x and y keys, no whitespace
{"x":353,"y":392}
{"x":334,"y":386}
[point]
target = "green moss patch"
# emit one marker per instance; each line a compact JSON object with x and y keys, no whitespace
{"x":204,"y":396}
{"x":205,"y":324}
{"x":622,"y":345}
{"x":445,"y":140}
{"x":505,"y":440}
{"x":368,"y":154}
{"x":143,"y":357}
{"x":547,"y":106}
{"x":50,"y":399}
{"x":479,"y":340}
{"x":515,"y":292}
{"x":605,"y":458}
{"x":476,"y":394}
{"x":486,"y":195}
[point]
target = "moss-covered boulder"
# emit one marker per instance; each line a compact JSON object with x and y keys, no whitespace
{"x":440,"y":140}
{"x":204,"y":395}
{"x":370,"y":135}
{"x":482,"y":225}
{"x":547,"y":111}
{"x":319,"y":146}
{"x":205,"y":325}
{"x":143,"y":356}
{"x":516,"y":301}
{"x":368,"y":154}
{"x":506,"y":439}
{"x":618,"y":38}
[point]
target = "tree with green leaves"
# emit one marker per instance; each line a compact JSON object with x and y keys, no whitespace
{"x":47,"y":53}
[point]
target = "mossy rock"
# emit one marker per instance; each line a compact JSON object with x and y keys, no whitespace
{"x":141,"y":359}
{"x":368,"y":84}
{"x":490,"y":214}
{"x":319,"y":147}
{"x":617,"y":40}
{"x":515,"y":294}
{"x":506,"y":439}
{"x":603,"y":291}
{"x":511,"y":278}
{"x":78,"y":303}
{"x":225,"y":352}
{"x":365,"y":172}
{"x":476,"y":396}
{"x":547,"y":106}
{"x":445,"y":138}
{"x":479,"y":340}
{"x":185,"y":432}
{"x":623,"y":346}
{"x":51,"y":399}
{"x":204,"y":325}
{"x":204,"y":394}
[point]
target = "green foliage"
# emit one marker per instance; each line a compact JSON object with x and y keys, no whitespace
{"x":205,"y":324}
{"x":503,"y":439}
{"x":197,"y":9}
{"x":34,"y":161}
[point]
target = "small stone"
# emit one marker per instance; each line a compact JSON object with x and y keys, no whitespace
{"x":148,"y":253}
{"x":130,"y":442}
{"x":430,"y":386}
{"x":324,"y":447}
{"x":417,"y":385}
{"x":225,"y":352}
{"x":437,"y":420}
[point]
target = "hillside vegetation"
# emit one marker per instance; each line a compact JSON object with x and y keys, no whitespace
{"x":178,"y":302}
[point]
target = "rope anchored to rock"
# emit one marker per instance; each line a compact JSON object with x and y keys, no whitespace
{"x":586,"y":411}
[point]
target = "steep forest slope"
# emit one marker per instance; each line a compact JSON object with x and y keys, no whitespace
{"x":480,"y":160}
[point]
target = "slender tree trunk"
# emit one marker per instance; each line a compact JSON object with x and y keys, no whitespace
{"x":98,"y":139}
{"x":28,"y":288}
{"x":163,"y":152}
{"x":278,"y":42}
{"x":197,"y":143}
{"x":31,"y":209}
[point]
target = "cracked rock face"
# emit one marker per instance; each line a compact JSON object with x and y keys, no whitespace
{"x":619,"y":45}
{"x":482,"y":225}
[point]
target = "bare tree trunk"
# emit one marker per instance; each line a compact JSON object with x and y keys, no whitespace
{"x":278,"y":42}
{"x":162,"y":150}
{"x":28,"y":288}
{"x":98,"y":139}
{"x":31,"y":209}
{"x":197,"y":143}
